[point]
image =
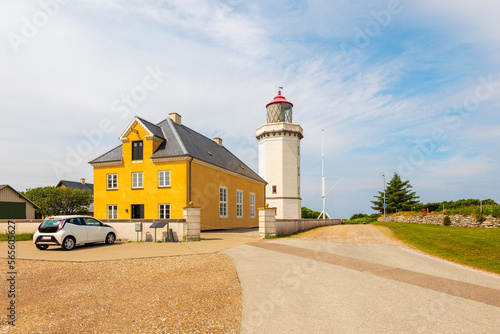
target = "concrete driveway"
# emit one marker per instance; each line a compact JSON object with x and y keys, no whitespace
{"x":296,"y":285}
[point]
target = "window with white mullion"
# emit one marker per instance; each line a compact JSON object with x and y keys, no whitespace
{"x":223,"y":202}
{"x":137,"y":180}
{"x":112,"y":211}
{"x":239,"y":204}
{"x":164,"y":211}
{"x":252,"y":205}
{"x":164,"y":178}
{"x":112,"y":181}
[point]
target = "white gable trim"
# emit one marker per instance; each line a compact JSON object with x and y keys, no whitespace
{"x":107,"y":163}
{"x":130,"y":127}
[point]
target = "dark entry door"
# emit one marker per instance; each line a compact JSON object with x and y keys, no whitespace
{"x":12,"y":210}
{"x":137,"y":211}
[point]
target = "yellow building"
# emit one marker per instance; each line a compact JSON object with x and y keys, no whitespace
{"x":159,"y":169}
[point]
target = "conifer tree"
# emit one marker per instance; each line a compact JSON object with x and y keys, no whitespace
{"x":398,"y":196}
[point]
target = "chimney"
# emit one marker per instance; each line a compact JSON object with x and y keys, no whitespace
{"x":82,"y":181}
{"x":175,"y":117}
{"x":218,"y":141}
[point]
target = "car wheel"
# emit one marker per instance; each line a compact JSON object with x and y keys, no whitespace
{"x":68,"y":243}
{"x":110,"y":238}
{"x":42,"y":247}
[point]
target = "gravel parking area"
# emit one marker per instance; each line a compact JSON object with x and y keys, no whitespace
{"x":185,"y":294}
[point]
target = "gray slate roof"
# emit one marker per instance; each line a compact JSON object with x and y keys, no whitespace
{"x":155,"y":129}
{"x":113,"y":155}
{"x":179,"y":140}
{"x":77,"y":185}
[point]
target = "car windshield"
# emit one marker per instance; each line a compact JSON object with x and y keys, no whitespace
{"x":51,"y":222}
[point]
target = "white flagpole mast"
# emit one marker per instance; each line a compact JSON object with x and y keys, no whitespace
{"x":323,"y":173}
{"x":323,"y":193}
{"x":323,"y":213}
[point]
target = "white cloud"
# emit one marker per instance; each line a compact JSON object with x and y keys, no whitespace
{"x":224,"y":60}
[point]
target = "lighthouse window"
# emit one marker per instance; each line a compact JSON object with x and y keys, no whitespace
{"x":274,"y":190}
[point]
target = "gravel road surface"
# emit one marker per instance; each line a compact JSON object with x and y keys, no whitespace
{"x":184,"y":294}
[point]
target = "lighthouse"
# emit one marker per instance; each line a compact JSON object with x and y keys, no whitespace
{"x":279,"y":158}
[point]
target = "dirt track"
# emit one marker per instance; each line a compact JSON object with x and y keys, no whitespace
{"x":352,"y":234}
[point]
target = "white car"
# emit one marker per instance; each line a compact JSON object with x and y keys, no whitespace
{"x":69,"y":231}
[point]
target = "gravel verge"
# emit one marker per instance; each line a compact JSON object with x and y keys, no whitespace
{"x":185,"y":294}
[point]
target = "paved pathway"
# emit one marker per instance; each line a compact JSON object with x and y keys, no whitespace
{"x":210,"y":243}
{"x":340,"y":279}
{"x":296,"y":285}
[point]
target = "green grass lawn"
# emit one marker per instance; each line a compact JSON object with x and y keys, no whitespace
{"x":19,"y":237}
{"x":477,"y":247}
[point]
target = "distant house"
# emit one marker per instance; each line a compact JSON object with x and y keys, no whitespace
{"x":13,"y":205}
{"x":159,"y":169}
{"x":82,"y":185}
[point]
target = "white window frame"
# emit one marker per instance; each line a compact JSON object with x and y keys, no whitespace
{"x":163,"y":207}
{"x":165,"y":176}
{"x":114,"y":183}
{"x":114,"y":211}
{"x":137,"y":180}
{"x":239,"y":203}
{"x":222,"y":202}
{"x":252,"y":205}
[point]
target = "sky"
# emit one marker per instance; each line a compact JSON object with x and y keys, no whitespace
{"x":398,"y":86}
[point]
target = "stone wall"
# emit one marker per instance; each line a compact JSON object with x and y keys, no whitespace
{"x":456,"y":220}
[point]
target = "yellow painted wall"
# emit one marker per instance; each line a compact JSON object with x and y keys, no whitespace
{"x":151,"y":195}
{"x":206,"y":182}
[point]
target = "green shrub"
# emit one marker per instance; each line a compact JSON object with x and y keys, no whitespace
{"x":480,"y":218}
{"x":309,"y":214}
{"x":358,"y":215}
{"x":447,"y":221}
{"x":364,"y":220}
{"x":495,"y":212}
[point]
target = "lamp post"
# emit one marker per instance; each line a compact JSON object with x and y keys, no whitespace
{"x":384,"y":196}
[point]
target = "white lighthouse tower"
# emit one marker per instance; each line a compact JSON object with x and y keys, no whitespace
{"x":279,"y":158}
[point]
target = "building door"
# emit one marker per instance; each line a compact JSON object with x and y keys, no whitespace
{"x":12,"y":210}
{"x":137,"y":211}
